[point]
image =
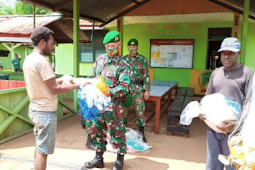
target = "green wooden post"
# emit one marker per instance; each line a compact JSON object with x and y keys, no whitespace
{"x":120,"y":29}
{"x":50,"y":58}
{"x":76,"y":53}
{"x":245,"y":29}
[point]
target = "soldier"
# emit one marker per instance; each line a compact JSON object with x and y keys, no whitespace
{"x":140,"y":83}
{"x":114,"y":69}
{"x":86,"y":124}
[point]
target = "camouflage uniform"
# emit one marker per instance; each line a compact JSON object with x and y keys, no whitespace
{"x":116,"y":74}
{"x":140,"y":82}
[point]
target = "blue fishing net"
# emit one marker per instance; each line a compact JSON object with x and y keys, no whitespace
{"x":90,"y":106}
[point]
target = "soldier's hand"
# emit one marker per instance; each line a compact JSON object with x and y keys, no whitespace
{"x":227,"y":126}
{"x":146,"y":95}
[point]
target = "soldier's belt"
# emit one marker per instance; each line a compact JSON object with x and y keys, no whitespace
{"x":137,"y":81}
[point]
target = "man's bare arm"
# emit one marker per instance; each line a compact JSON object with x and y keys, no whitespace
{"x":57,"y":88}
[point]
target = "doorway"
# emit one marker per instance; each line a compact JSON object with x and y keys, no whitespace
{"x":215,"y":37}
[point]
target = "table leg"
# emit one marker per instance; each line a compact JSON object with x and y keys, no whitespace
{"x":169,"y":98}
{"x":157,"y":116}
{"x":176,"y":90}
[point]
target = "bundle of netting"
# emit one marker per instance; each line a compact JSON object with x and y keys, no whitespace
{"x":93,"y":98}
{"x":216,"y":108}
{"x":242,"y":140}
{"x":134,"y":142}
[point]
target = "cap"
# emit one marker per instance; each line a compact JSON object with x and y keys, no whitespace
{"x":230,"y":44}
{"x":112,"y":36}
{"x":132,"y":41}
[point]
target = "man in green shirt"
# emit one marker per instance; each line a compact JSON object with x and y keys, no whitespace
{"x":16,"y":63}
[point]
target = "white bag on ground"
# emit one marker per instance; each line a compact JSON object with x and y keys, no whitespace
{"x":134,"y":142}
{"x":216,"y":107}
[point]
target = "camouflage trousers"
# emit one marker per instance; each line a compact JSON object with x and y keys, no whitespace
{"x":114,"y":124}
{"x":139,"y":104}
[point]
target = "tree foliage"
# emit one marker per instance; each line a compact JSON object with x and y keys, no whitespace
{"x":6,"y":9}
{"x":20,"y":8}
{"x":24,"y":8}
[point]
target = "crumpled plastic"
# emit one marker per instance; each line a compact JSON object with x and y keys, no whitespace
{"x":68,"y":79}
{"x":134,"y":142}
{"x":93,"y":98}
{"x":216,"y":107}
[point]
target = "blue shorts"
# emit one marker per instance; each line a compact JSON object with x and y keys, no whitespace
{"x":45,"y":124}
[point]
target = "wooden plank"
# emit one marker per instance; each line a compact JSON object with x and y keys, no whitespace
{"x":66,"y":116}
{"x":60,"y":111}
{"x":5,"y":84}
{"x":14,"y":103}
{"x":66,"y":106}
{"x":16,"y":135}
{"x":182,"y":91}
{"x":21,"y":104}
{"x":12,"y":90}
{"x":76,"y":47}
{"x":236,"y":25}
{"x":177,"y":104}
{"x":186,"y":101}
{"x":190,"y":92}
{"x":245,"y":24}
{"x":15,"y":114}
{"x":6,"y":123}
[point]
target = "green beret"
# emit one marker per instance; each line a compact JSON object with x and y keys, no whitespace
{"x":132,"y":41}
{"x":112,"y":36}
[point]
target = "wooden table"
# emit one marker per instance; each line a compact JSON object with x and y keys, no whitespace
{"x":160,"y":90}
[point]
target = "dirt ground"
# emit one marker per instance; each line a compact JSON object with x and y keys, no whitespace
{"x":167,"y":153}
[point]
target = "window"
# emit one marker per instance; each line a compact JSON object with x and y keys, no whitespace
{"x":89,"y":52}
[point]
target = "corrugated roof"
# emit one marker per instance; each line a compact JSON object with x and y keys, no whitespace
{"x":19,"y":28}
{"x":63,"y":31}
{"x":24,"y":24}
{"x":15,"y":39}
{"x":103,"y":11}
{"x":237,"y":6}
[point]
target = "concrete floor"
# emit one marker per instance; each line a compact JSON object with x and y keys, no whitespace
{"x":167,"y":153}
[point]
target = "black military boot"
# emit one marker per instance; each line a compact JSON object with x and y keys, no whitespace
{"x":119,"y":162}
{"x":89,"y":143}
{"x":97,"y":162}
{"x":83,"y":123}
{"x":141,"y":130}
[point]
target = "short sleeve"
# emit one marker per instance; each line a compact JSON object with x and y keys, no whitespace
{"x":45,"y":69}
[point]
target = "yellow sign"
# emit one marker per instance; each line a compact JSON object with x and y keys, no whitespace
{"x":199,"y":80}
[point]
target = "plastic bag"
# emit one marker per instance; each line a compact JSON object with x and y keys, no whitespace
{"x":68,"y":79}
{"x":191,"y":111}
{"x":216,"y":108}
{"x":93,"y":100}
{"x":134,"y":142}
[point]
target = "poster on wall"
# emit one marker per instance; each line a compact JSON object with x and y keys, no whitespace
{"x":169,"y":53}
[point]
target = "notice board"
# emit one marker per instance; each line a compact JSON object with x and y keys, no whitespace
{"x":169,"y":53}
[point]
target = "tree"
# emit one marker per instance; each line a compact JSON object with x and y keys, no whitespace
{"x":24,"y":8}
{"x":20,"y":8}
{"x":6,"y":9}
